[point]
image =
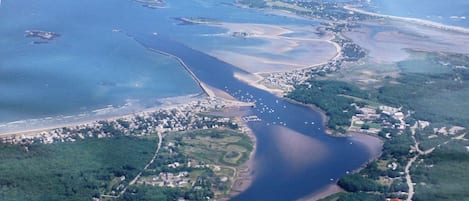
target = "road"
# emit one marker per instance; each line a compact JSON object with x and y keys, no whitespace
{"x":413,"y":159}
{"x":160,"y":141}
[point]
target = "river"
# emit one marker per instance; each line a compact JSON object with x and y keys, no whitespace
{"x":294,"y":156}
{"x":92,"y":65}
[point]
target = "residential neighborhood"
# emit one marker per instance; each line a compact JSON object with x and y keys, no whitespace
{"x":180,"y":117}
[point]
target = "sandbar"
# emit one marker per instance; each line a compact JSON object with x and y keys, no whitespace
{"x":284,"y":48}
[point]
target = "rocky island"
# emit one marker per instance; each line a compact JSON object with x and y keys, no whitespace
{"x":45,"y":35}
{"x":153,"y":4}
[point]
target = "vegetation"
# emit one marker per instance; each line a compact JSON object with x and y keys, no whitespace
{"x":224,"y":147}
{"x":95,"y":167}
{"x":433,"y":88}
{"x":149,"y":193}
{"x":344,"y":196}
{"x":70,"y":171}
{"x":443,"y":174}
{"x":333,"y":97}
{"x":316,"y":9}
{"x":358,"y":183}
{"x":214,"y":155}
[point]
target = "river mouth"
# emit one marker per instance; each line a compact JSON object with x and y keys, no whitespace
{"x":294,"y":156}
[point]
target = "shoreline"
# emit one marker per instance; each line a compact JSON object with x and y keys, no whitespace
{"x":355,"y":136}
{"x":167,"y":103}
{"x":323,"y":193}
{"x":245,"y":175}
{"x":275,"y":36}
{"x":417,"y":21}
{"x":321,"y":112}
{"x":205,"y":89}
{"x":243,"y":182}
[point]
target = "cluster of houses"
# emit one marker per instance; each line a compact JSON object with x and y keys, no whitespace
{"x":391,"y":117}
{"x":167,"y":179}
{"x":287,"y":80}
{"x":366,"y":120}
{"x":180,"y":117}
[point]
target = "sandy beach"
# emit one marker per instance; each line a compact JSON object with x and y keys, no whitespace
{"x":412,"y":20}
{"x":50,"y":123}
{"x":285,"y":48}
{"x":329,"y":190}
{"x":390,"y":45}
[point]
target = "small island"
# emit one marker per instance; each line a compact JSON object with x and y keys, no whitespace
{"x":153,"y":4}
{"x":193,"y":20}
{"x":45,"y":35}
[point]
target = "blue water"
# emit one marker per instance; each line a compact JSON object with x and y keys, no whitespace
{"x":66,"y":76}
{"x":90,"y":66}
{"x":433,"y":10}
{"x":277,"y":177}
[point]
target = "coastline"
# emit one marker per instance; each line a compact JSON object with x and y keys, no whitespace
{"x":323,"y":193}
{"x":369,"y":141}
{"x":410,"y":20}
{"x":321,"y":112}
{"x":205,"y":89}
{"x":166,"y":103}
{"x":313,"y":47}
{"x":243,"y":181}
{"x":245,"y":175}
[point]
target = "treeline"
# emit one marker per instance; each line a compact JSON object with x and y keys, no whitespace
{"x":417,"y":92}
{"x":443,"y":175}
{"x":409,"y":91}
{"x":359,"y":183}
{"x":70,"y":171}
{"x":149,"y":193}
{"x":325,"y":94}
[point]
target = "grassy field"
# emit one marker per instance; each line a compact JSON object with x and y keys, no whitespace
{"x":93,"y":167}
{"x":70,"y":171}
{"x":224,"y":147}
{"x":422,"y":63}
{"x":216,"y":156}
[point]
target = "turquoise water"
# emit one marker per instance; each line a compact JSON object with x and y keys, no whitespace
{"x":454,"y":12}
{"x":288,"y":166}
{"x":90,"y":66}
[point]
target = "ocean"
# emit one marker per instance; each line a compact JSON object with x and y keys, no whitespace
{"x":94,"y":64}
{"x":90,"y":66}
{"x":101,"y":60}
{"x":454,"y":12}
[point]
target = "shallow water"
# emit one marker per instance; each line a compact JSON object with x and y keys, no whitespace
{"x":294,"y":157}
{"x":92,"y":66}
{"x":89,"y":66}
